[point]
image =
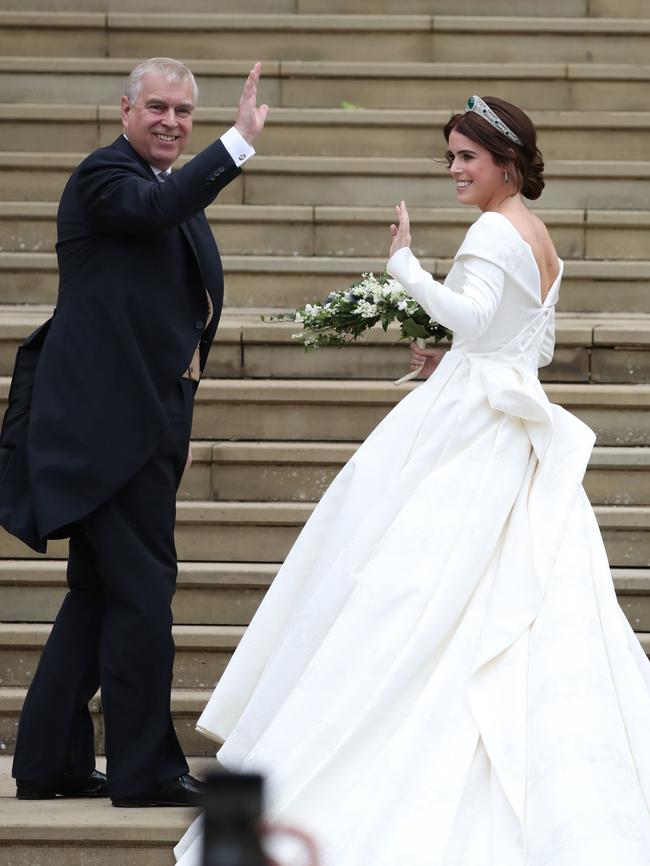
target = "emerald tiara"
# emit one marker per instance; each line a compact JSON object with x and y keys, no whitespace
{"x":475,"y":103}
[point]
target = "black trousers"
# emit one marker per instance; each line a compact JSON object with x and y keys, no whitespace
{"x":114,"y":631}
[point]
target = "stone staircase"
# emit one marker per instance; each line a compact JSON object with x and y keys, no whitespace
{"x":359,"y":96}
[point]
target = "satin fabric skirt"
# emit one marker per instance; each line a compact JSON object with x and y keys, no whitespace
{"x":440,"y":674}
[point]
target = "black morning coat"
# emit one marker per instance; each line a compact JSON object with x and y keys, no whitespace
{"x":135,"y":259}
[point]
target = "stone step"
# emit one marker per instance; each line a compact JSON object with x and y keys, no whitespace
{"x":249,"y":6}
{"x":328,"y":131}
{"x":296,"y":410}
{"x":531,"y":8}
{"x":244,"y":348}
{"x":588,"y":348}
{"x":269,"y":37}
{"x":85,"y":832}
{"x":187,"y":705}
{"x":267,"y":283}
{"x":338,"y":411}
{"x":395,"y":38}
{"x":72,"y":832}
{"x":617,"y":476}
{"x":202,"y":652}
{"x":617,"y":354}
{"x":357,"y":181}
{"x":327,"y":231}
{"x":490,"y":38}
{"x":207,"y":593}
{"x":301,"y":472}
{"x":313,"y":84}
{"x":221,"y":593}
{"x":214,"y":532}
{"x":265,"y":531}
{"x":279,"y":282}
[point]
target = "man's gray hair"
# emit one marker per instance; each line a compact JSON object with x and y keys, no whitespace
{"x":173,"y":70}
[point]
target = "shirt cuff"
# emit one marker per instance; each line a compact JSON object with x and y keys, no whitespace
{"x":237,"y":146}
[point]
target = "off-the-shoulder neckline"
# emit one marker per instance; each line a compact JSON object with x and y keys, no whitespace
{"x":560,"y":263}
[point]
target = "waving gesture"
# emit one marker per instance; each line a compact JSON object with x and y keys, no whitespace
{"x":401,"y":233}
{"x":251,"y":116}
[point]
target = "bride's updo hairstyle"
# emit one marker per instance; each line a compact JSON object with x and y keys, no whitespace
{"x":523,"y":161}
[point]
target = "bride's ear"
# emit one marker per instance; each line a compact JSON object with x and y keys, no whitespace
{"x":510,"y":172}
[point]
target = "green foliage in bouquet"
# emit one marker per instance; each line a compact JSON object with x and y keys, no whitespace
{"x":343,"y":316}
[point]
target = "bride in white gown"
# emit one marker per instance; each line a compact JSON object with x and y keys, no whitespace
{"x":440,"y":674}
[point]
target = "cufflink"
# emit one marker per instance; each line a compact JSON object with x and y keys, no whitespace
{"x":242,"y":156}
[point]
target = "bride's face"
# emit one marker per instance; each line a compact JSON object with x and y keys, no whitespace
{"x":479,"y":180}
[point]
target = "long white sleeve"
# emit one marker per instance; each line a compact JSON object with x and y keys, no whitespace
{"x":548,"y":343}
{"x":467,"y":314}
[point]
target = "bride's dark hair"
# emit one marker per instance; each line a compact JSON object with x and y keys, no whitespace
{"x":523,"y":160}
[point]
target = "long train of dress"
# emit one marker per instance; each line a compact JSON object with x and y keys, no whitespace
{"x":441,"y":674}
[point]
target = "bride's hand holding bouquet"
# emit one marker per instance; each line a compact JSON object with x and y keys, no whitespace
{"x":423,"y":360}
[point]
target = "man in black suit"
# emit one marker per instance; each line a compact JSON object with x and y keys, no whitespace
{"x":97,"y":434}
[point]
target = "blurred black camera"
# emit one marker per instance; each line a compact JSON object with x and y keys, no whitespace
{"x":233,"y":813}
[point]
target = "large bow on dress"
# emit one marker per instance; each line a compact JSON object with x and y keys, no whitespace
{"x":561,"y":446}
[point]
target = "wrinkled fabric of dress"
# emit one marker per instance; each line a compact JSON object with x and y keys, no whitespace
{"x":440,"y":674}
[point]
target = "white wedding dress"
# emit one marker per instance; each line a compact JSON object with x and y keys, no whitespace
{"x":440,"y":675}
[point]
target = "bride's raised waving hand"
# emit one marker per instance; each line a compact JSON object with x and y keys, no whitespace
{"x":401,"y":233}
{"x":422,"y":359}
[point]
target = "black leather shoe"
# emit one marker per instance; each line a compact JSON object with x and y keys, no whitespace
{"x":184,"y":791}
{"x":94,"y":785}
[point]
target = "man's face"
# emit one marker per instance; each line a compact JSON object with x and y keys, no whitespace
{"x":158,"y":125}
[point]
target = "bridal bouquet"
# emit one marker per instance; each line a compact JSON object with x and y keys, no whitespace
{"x":343,"y":316}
